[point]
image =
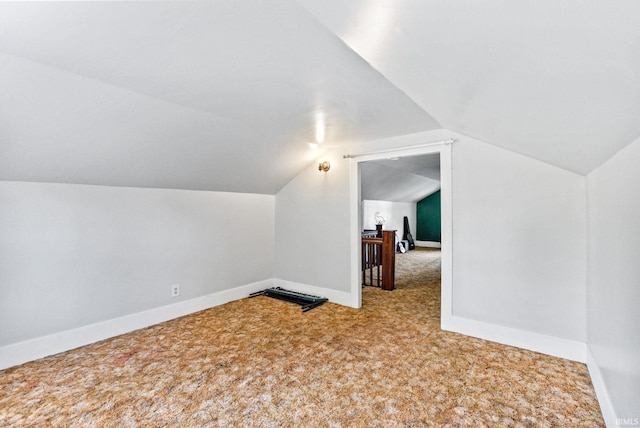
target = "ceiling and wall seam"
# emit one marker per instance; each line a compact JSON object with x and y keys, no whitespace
{"x":109,"y":84}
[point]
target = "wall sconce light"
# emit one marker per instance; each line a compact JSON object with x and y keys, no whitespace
{"x":324,"y":166}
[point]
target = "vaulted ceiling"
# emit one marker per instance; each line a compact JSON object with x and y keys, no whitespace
{"x":557,"y":80}
{"x":405,"y":179}
{"x":226,"y":95}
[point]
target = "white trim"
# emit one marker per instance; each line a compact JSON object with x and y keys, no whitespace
{"x":606,"y":407}
{"x":335,"y":296}
{"x":40,"y":347}
{"x":387,"y":151}
{"x":550,"y":345}
{"x":446,"y":217}
{"x":428,"y":244}
{"x":446,"y":233}
{"x":355,"y":226}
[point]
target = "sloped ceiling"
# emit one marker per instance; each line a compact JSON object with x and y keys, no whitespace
{"x":216,"y":95}
{"x":406,"y":179}
{"x":225,"y":95}
{"x":557,"y":80}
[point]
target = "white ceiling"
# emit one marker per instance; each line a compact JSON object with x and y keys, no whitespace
{"x":224,"y":95}
{"x":405,"y":179}
{"x":427,"y":166}
{"x":220,"y":95}
{"x":557,"y":80}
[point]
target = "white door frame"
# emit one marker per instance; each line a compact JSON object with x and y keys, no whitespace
{"x":447,"y":234}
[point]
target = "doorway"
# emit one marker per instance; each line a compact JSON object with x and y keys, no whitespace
{"x":443,"y":151}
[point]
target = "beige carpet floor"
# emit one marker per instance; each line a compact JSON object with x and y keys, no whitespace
{"x":262,"y":362}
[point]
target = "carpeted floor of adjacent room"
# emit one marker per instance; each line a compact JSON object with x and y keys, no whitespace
{"x":262,"y":362}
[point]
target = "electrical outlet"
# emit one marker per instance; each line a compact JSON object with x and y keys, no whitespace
{"x":175,"y":290}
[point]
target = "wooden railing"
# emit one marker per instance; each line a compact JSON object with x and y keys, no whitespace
{"x":372,"y":261}
{"x":379,"y":261}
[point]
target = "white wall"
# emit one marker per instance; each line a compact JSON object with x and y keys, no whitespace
{"x":312,"y":227}
{"x":519,"y":246}
{"x":519,"y":242}
{"x":519,"y":236}
{"x":613,"y":291}
{"x":72,"y":255}
{"x":393,"y":213}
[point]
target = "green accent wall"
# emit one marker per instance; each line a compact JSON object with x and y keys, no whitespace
{"x":428,"y":218}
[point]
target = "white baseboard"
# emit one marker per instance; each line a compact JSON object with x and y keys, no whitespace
{"x":339,"y":297}
{"x":564,"y":348}
{"x":604,"y":400}
{"x":428,"y":244}
{"x":22,"y":352}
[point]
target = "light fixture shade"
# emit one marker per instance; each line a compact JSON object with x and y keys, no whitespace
{"x":324,"y":166}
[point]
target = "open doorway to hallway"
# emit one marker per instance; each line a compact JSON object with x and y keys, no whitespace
{"x":441,"y":148}
{"x":402,"y":195}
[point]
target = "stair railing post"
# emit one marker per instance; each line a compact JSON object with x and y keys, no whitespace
{"x":388,"y":259}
